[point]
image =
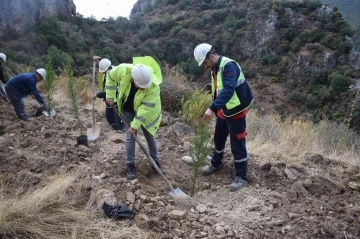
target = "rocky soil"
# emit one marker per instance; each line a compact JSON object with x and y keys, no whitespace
{"x":302,"y":200}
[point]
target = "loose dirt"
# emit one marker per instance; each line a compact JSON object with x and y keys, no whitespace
{"x":299,"y":200}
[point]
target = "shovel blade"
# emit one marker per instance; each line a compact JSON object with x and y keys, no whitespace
{"x":93,"y":133}
{"x":177,"y":192}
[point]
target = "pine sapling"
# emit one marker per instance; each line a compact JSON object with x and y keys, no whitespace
{"x":199,"y":150}
{"x":73,"y":92}
{"x":49,"y":83}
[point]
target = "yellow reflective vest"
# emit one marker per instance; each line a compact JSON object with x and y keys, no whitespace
{"x":147,"y":103}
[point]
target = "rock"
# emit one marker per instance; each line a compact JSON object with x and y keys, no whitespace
{"x":104,"y":195}
{"x":103,"y":175}
{"x":292,"y":215}
{"x":173,"y":225}
{"x":176,"y":214}
{"x":130,"y":197}
{"x":289,"y":174}
{"x":219,"y":230}
{"x":187,"y":145}
{"x":143,"y":197}
{"x":143,"y":217}
{"x":187,"y":159}
{"x":11,"y":148}
{"x":143,"y":167}
{"x":307,"y":183}
{"x":201,"y":208}
{"x":135,"y":181}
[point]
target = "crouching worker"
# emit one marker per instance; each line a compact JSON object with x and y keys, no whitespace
{"x":21,"y":86}
{"x":139,"y":102}
{"x":105,"y":67}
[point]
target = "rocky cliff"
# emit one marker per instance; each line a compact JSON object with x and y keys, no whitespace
{"x":20,"y":13}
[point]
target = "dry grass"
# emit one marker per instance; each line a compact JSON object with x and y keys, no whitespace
{"x":175,"y":85}
{"x":51,"y":210}
{"x":298,"y":139}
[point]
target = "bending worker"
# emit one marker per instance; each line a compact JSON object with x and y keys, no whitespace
{"x":104,"y":67}
{"x":21,"y":86}
{"x":231,"y":98}
{"x":139,"y":102}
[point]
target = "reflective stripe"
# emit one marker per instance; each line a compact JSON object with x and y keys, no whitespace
{"x":219,"y":151}
{"x":240,"y":160}
{"x":149,"y":104}
{"x":141,"y":119}
{"x":153,"y":122}
{"x":239,"y":82}
{"x":110,"y":87}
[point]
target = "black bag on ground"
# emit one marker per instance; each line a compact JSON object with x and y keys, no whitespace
{"x":119,"y":212}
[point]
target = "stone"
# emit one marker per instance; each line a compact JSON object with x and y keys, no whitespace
{"x":130,"y":197}
{"x":143,"y":197}
{"x":176,"y":214}
{"x":201,"y":208}
{"x":219,"y":230}
{"x":187,"y":159}
{"x":104,"y":195}
{"x":174,"y":225}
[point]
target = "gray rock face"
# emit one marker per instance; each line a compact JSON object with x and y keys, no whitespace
{"x":20,"y":13}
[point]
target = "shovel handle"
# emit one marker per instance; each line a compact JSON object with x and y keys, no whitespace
{"x":144,"y":150}
{"x":93,"y":92}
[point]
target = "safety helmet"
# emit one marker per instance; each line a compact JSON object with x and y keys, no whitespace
{"x":3,"y":56}
{"x":42,"y":72}
{"x":141,"y":75}
{"x":200,"y":52}
{"x":104,"y":65}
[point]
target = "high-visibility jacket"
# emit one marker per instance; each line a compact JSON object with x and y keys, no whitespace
{"x":242,"y":96}
{"x":147,"y":103}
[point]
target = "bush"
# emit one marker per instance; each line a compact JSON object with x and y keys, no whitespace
{"x":269,"y":59}
{"x":193,"y":109}
{"x":338,"y":82}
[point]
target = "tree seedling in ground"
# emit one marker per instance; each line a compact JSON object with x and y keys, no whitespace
{"x":73,"y":88}
{"x":199,"y":150}
{"x":49,"y":84}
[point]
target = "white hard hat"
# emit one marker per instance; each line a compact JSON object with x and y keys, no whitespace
{"x":42,"y":72}
{"x":104,"y":65}
{"x":200,"y":52}
{"x":141,"y":75}
{"x":3,"y":56}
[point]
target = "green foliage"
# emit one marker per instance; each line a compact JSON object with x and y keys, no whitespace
{"x":73,"y":92}
{"x":199,"y":150}
{"x":270,"y":59}
{"x":338,"y":82}
{"x":50,"y":29}
{"x":49,"y":83}
{"x":194,"y":107}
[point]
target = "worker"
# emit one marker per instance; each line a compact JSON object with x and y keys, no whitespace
{"x":2,"y":76}
{"x":23,"y":85}
{"x":138,"y":101}
{"x":104,"y":67}
{"x":231,"y":99}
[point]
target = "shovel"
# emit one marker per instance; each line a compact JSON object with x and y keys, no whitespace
{"x":177,"y":192}
{"x":93,"y":132}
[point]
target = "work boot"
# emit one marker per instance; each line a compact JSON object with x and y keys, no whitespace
{"x":237,"y":184}
{"x":207,"y":170}
{"x":130,"y":171}
{"x":161,"y":168}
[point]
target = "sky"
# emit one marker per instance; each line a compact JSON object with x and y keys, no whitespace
{"x":104,"y":8}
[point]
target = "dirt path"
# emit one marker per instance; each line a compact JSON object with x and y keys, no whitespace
{"x":281,"y":201}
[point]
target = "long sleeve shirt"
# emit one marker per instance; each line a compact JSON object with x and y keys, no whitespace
{"x":24,"y":85}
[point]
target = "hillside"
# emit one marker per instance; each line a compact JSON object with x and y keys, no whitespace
{"x":297,"y":56}
{"x":351,"y":13}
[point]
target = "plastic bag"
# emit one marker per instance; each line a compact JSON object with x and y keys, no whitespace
{"x":119,"y":212}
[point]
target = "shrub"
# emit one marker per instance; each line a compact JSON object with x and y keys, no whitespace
{"x":193,"y":109}
{"x":338,"y":82}
{"x":49,"y":83}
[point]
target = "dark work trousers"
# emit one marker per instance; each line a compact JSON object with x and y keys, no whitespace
{"x":115,"y":122}
{"x":237,"y":130}
{"x":17,"y":103}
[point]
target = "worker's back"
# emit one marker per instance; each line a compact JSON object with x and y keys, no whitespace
{"x":22,"y":84}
